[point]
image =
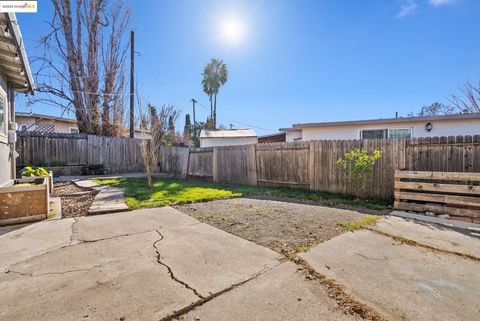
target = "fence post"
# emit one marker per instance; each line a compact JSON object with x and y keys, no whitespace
{"x":215,"y":164}
{"x":251,"y":162}
{"x":311,"y":165}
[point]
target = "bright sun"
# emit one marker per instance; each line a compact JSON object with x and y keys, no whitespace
{"x":232,"y":30}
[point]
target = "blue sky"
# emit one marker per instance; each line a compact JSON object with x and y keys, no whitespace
{"x":298,"y":61}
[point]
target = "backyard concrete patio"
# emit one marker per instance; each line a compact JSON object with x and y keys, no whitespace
{"x":161,"y":264}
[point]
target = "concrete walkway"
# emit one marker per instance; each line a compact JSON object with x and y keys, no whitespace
{"x":402,"y":276}
{"x":154,"y":264}
{"x":108,"y":200}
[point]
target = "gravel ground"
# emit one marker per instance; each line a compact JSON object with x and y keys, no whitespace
{"x":284,"y":227}
{"x":75,"y":200}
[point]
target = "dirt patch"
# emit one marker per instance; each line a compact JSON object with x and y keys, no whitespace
{"x":288,"y":228}
{"x":75,"y":200}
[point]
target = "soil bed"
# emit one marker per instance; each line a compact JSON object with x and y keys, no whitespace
{"x":75,"y":200}
{"x":285,"y":227}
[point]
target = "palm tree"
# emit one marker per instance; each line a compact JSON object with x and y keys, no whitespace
{"x":215,"y":76}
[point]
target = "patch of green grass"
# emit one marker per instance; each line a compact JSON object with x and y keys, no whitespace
{"x":170,"y":191}
{"x":364,"y":221}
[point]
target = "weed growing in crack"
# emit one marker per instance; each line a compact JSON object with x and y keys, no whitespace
{"x":359,"y":224}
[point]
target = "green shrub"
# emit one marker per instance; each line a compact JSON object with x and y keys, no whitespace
{"x":359,"y":166}
{"x":31,"y":171}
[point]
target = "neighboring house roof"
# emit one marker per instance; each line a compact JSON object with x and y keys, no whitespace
{"x":13,"y":57}
{"x":228,"y":133}
{"x":45,"y":117}
{"x":297,"y":127}
{"x":272,"y":138}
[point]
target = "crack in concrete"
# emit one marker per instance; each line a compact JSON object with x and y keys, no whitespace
{"x":79,"y":243}
{"x":113,"y":237}
{"x":212,"y":296}
{"x":56,"y":273}
{"x":73,"y":230}
{"x":345,"y":301}
{"x":411,"y":242}
{"x":170,"y":272}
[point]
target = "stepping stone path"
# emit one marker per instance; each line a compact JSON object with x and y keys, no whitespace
{"x":108,"y":200}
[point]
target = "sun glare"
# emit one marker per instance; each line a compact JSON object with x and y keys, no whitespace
{"x":232,"y":30}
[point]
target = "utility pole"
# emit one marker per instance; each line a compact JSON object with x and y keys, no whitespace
{"x":132,"y":84}
{"x":194,"y":122}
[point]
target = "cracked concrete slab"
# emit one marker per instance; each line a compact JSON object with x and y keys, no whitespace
{"x":121,"y":267}
{"x":90,"y":228}
{"x":403,"y":281}
{"x":24,"y":243}
{"x":430,"y":234}
{"x":280,"y":294}
{"x":213,"y":259}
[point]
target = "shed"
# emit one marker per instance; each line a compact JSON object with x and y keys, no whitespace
{"x":228,"y":137}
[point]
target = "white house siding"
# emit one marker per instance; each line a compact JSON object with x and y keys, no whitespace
{"x":215,"y":142}
{"x":452,"y":127}
{"x":293,"y":135}
{"x":5,"y":161}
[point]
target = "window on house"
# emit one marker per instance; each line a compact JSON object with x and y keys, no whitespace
{"x":373,"y":133}
{"x":3,"y":116}
{"x":74,"y":131}
{"x":400,"y":133}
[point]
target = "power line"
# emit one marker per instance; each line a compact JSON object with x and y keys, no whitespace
{"x":241,"y":123}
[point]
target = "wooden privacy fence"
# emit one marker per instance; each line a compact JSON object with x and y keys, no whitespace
{"x":440,"y":192}
{"x":64,"y":149}
{"x":312,"y":165}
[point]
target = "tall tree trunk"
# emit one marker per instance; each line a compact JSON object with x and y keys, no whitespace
{"x":211,"y":106}
{"x":215,"y":113}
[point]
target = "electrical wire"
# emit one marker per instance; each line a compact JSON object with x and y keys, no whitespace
{"x":241,"y":123}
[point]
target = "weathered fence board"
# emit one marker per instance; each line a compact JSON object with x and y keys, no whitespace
{"x":283,"y":164}
{"x":235,"y":164}
{"x":47,"y":150}
{"x":174,"y":160}
{"x":200,"y":163}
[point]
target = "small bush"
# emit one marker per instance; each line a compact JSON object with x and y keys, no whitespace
{"x":358,"y":164}
{"x":31,"y":171}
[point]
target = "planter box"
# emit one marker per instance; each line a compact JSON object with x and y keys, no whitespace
{"x":19,"y":204}
{"x":49,"y":179}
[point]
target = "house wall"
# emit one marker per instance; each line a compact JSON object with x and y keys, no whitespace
{"x":292,"y":136}
{"x":60,"y":126}
{"x":440,"y":128}
{"x":5,"y":162}
{"x":215,"y":142}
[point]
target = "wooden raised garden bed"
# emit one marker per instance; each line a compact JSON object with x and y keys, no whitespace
{"x":26,"y":200}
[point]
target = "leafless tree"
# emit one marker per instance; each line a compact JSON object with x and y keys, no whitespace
{"x":469,"y":99}
{"x":160,"y":126}
{"x":434,"y":109}
{"x":81,"y":68}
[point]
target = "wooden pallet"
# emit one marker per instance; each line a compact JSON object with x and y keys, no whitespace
{"x":451,"y":193}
